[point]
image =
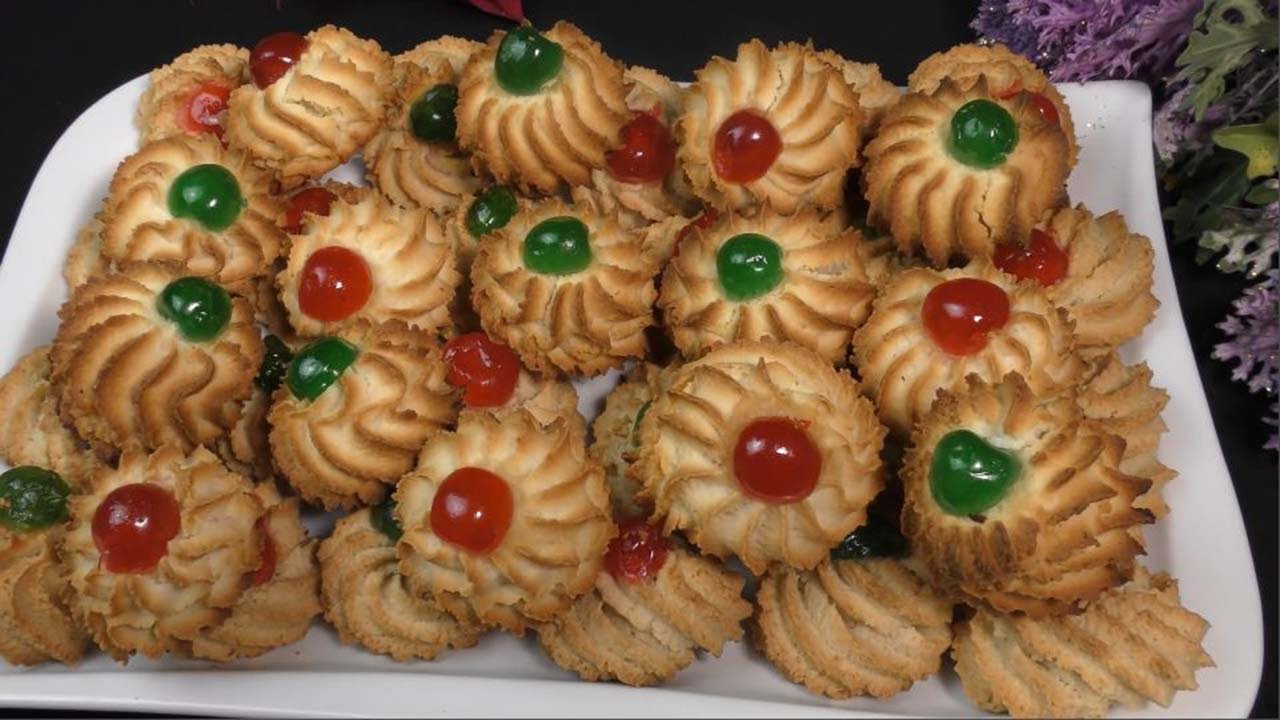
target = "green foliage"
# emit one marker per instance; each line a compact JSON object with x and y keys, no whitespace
{"x":1257,"y":142}
{"x":1226,"y":34}
{"x":1217,"y":183}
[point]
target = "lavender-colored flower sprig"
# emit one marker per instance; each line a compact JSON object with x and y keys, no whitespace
{"x":1253,"y":332}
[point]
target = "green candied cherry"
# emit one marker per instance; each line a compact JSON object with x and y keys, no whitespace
{"x":431,"y":115}
{"x":982,"y":134}
{"x":969,"y":475}
{"x":199,"y":308}
{"x":318,"y":365}
{"x":275,"y":362}
{"x":749,"y":265}
{"x":383,"y":517}
{"x":557,"y":246}
{"x":207,"y":194}
{"x":491,"y":211}
{"x":876,"y":538}
{"x":527,"y":61}
{"x":32,"y":498}
{"x":635,"y":426}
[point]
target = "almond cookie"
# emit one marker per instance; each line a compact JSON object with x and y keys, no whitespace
{"x":149,"y":357}
{"x":492,"y":380}
{"x":505,"y":521}
{"x":1013,"y":500}
{"x":540,"y":110}
{"x":355,"y":410}
{"x":931,"y":329}
{"x":875,"y":94}
{"x":31,"y":433}
{"x":954,"y":172}
{"x":769,"y":277}
{"x":774,"y":127}
{"x":1135,"y":643}
{"x":763,"y":451}
{"x":655,"y":606}
{"x":569,"y":290}
{"x":189,"y":95}
{"x":616,"y":433}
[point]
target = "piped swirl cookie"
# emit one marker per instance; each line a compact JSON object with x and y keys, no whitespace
{"x":569,"y":290}
{"x":314,"y":101}
{"x":31,"y":432}
{"x":954,"y":172}
{"x":777,"y":277}
{"x":875,"y":94}
{"x":150,"y":357}
{"x":762,"y":451}
{"x":616,"y":433}
{"x":505,"y":521}
{"x":540,"y":110}
{"x":772,"y":127}
{"x":931,"y":329}
{"x":491,"y":379}
{"x":355,"y":410}
{"x":189,"y":95}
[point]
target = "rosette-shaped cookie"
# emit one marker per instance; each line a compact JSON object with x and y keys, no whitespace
{"x":1135,"y":643}
{"x":1007,"y":73}
{"x":1012,"y":499}
{"x":852,"y":627}
{"x":247,"y":449}
{"x":776,"y":127}
{"x":414,"y":160}
{"x":355,"y":411}
{"x":956,"y":171}
{"x":161,"y":550}
{"x":313,"y":102}
{"x":191,"y":203}
{"x":368,"y":261}
{"x":31,"y":433}
{"x":931,"y":329}
{"x":491,"y":379}
{"x":616,"y":433}
{"x":566,"y":288}
{"x":366,"y":599}
{"x":505,"y":521}
{"x":540,"y":110}
{"x":655,"y":606}
{"x":875,"y":94}
{"x":283,"y":596}
{"x":778,"y":277}
{"x":763,"y":451}
{"x":149,"y":357}
{"x":189,"y":95}
{"x":84,"y":259}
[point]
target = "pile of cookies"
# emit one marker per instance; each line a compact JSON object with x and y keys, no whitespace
{"x":872,"y":414}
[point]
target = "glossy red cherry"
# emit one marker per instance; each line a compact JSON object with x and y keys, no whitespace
{"x":745,"y":147}
{"x":1040,"y":259}
{"x":638,"y":552}
{"x":274,"y":55}
{"x":1045,"y":106}
{"x":959,"y":313}
{"x":647,"y":154}
{"x":133,"y":525}
{"x":269,"y":553}
{"x":702,"y":222}
{"x":335,"y":284}
{"x":486,"y":370}
{"x":776,"y":461}
{"x":315,"y":200}
{"x":202,"y":113}
{"x":472,"y":509}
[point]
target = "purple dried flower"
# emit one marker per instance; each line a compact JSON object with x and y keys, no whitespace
{"x":1253,"y":332}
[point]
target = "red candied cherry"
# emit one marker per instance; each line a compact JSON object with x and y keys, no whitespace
{"x":336,"y":283}
{"x":133,"y":525}
{"x":1042,"y":104}
{"x":202,"y":113}
{"x":274,"y":55}
{"x":472,"y":509}
{"x":745,"y":147}
{"x":702,"y":222}
{"x":776,"y":461}
{"x":959,"y":313}
{"x":647,"y":153}
{"x":1040,"y":259}
{"x":268,"y":552}
{"x":315,"y":200}
{"x":637,"y":553}
{"x":486,"y":370}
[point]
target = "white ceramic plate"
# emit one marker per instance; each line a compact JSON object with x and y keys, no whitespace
{"x":1202,"y":542}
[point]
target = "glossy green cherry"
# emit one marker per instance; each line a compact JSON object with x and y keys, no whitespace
{"x":749,"y":265}
{"x":492,"y":210}
{"x":207,"y":194}
{"x":557,"y":246}
{"x":275,"y":362}
{"x":982,"y":134}
{"x":431,"y":115}
{"x":969,"y":475}
{"x":32,"y":498}
{"x":526,"y":61}
{"x":318,"y":365}
{"x":383,"y":517}
{"x":876,"y":538}
{"x":199,"y":308}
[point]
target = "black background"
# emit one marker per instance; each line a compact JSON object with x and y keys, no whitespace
{"x":62,"y":56}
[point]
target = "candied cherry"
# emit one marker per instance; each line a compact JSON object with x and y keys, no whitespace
{"x":208,"y":194}
{"x":383,"y":519}
{"x":748,"y":266}
{"x":133,"y":525}
{"x":491,"y":211}
{"x":705,"y":219}
{"x":635,"y":424}
{"x":269,"y":553}
{"x":982,"y":134}
{"x":526,"y":61}
{"x":318,"y":365}
{"x":274,"y":55}
{"x":969,"y":475}
{"x":877,"y":537}
{"x":431,"y":115}
{"x":557,"y":246}
{"x":959,"y":313}
{"x":745,"y":147}
{"x":638,"y":552}
{"x":1040,"y":259}
{"x":776,"y":461}
{"x":199,"y":308}
{"x":647,"y":153}
{"x":487,"y":371}
{"x":275,"y":363}
{"x":202,"y":112}
{"x":472,"y":509}
{"x":335,"y":284}
{"x":315,"y":200}
{"x":32,"y":498}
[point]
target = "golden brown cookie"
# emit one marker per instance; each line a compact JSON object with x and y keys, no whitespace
{"x":762,"y":451}
{"x":616,"y":433}
{"x":852,"y":627}
{"x":540,"y":110}
{"x":31,"y":432}
{"x":84,"y":259}
{"x":954,"y":172}
{"x":875,"y":94}
{"x":1135,"y":643}
{"x":189,"y":95}
{"x":505,"y":521}
{"x":246,"y":449}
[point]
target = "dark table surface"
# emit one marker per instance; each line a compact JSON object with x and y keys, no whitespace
{"x":62,"y":56}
